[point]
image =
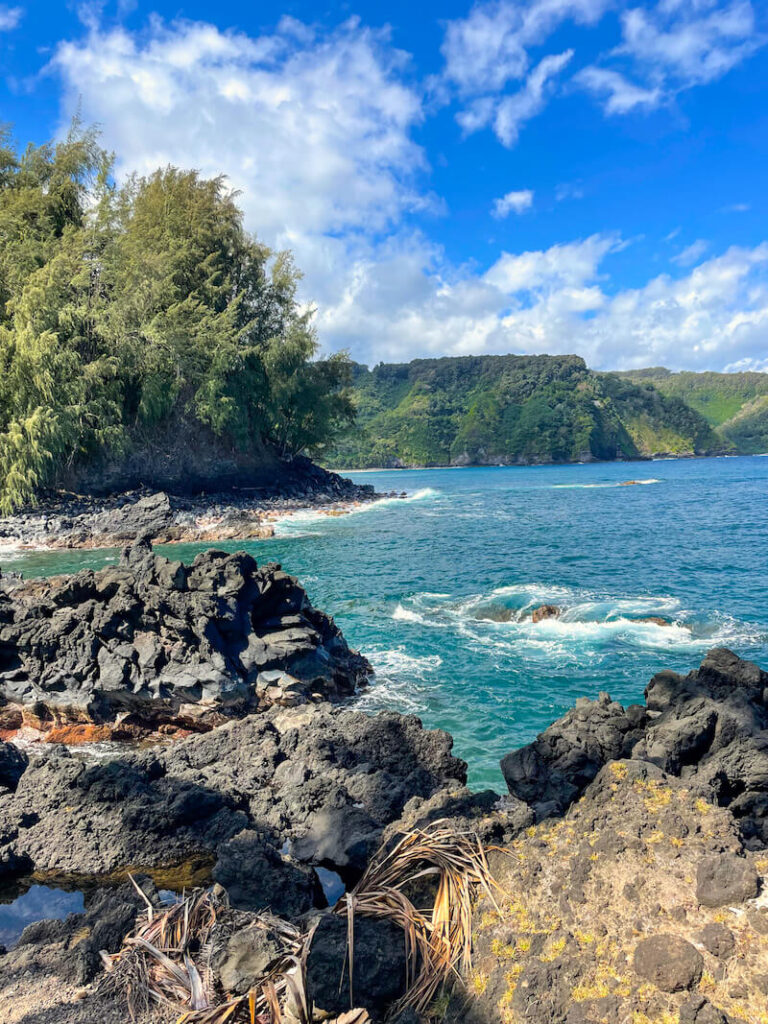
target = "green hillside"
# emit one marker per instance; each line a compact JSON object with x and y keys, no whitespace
{"x":735,"y":404}
{"x":487,"y":410}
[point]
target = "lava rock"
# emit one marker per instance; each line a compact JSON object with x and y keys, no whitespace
{"x":718,"y":940}
{"x":164,"y":642}
{"x":245,"y":958}
{"x":668,"y":962}
{"x":257,"y":877}
{"x":724,"y":879}
{"x":13,"y":763}
{"x":379,"y":969}
{"x":550,"y":773}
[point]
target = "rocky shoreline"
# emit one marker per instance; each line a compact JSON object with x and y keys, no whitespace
{"x":64,"y":521}
{"x":628,"y":854}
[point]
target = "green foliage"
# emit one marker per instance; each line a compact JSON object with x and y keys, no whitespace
{"x":124,"y":311}
{"x":735,"y":404}
{"x":510,"y":409}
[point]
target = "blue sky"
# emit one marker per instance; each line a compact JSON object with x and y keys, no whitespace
{"x":556,"y":176}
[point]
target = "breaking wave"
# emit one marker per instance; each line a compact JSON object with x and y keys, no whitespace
{"x":575,"y":625}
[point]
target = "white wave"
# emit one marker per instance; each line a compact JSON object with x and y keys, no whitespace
{"x":588,"y":624}
{"x":403,"y":614}
{"x":616,"y":483}
{"x":293,"y":524}
{"x":396,"y":661}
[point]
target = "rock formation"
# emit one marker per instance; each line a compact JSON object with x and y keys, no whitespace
{"x":153,"y":643}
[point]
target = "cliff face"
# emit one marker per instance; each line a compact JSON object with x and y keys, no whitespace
{"x":491,"y":410}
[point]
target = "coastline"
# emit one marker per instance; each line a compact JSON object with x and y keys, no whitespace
{"x":68,"y":522}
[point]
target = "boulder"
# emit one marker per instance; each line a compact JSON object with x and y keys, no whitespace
{"x":717,"y":939}
{"x":725,"y":879}
{"x":257,"y":877}
{"x":149,"y":516}
{"x":668,"y":962}
{"x":546,"y":611}
{"x":379,"y":968}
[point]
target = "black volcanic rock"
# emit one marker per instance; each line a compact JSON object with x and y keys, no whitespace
{"x":318,"y":781}
{"x":158,"y":640}
{"x":709,"y":728}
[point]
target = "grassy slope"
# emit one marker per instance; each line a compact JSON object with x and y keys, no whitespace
{"x":735,"y":404}
{"x":510,"y":409}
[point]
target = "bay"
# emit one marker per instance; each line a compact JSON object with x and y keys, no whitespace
{"x":437,"y":589}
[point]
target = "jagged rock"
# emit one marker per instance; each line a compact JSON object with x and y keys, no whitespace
{"x":149,"y":516}
{"x":709,"y":727}
{"x":552,"y":771}
{"x":724,"y":879}
{"x":257,"y":877}
{"x":152,"y":641}
{"x":698,"y":1010}
{"x":284,"y":773}
{"x":379,"y":965}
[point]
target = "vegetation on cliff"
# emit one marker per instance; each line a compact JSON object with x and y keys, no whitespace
{"x":128,"y":313}
{"x":735,"y":404}
{"x":510,"y":409}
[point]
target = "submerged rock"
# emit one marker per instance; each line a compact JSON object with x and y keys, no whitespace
{"x":152,"y":641}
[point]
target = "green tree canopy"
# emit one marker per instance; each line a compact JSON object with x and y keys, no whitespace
{"x":124,"y":310}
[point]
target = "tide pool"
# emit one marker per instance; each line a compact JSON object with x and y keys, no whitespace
{"x":437,"y":589}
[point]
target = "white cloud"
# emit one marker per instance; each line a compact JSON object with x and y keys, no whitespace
{"x":557,"y":301}
{"x":509,"y":114}
{"x":517,"y":202}
{"x":317,"y":131}
{"x":489,"y":48}
{"x":10,"y":17}
{"x":691,"y":43}
{"x":688,"y":256}
{"x":314,"y":130}
{"x":619,"y":94}
{"x":736,"y":208}
{"x":674,"y":46}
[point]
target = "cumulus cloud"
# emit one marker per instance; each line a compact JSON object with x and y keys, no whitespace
{"x":489,"y":48}
{"x":316,"y":131}
{"x":509,"y":114}
{"x":557,"y":300}
{"x":513,"y":202}
{"x":10,"y":17}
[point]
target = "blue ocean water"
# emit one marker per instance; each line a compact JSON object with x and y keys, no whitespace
{"x":434,"y":589}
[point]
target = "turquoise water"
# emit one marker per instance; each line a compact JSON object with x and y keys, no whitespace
{"x":419,"y":586}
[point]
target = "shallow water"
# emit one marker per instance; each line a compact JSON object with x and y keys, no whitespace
{"x":435,"y":589}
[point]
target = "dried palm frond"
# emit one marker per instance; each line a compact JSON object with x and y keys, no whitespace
{"x":438,"y":942}
{"x":166,"y":960}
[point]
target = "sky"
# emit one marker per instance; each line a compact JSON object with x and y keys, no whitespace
{"x":556,"y":176}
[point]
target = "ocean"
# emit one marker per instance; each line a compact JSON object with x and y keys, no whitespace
{"x":437,"y":589}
